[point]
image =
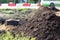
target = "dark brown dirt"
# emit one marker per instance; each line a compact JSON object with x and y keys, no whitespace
{"x":45,"y":25}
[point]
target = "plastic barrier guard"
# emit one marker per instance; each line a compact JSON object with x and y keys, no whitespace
{"x":11,"y":4}
{"x":26,"y":4}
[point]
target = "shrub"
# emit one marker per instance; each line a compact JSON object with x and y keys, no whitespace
{"x":10,"y":36}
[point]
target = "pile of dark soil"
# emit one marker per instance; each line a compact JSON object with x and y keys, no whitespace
{"x":45,"y":25}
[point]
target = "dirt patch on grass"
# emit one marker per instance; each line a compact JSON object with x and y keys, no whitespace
{"x":44,"y":25}
{"x":6,"y":28}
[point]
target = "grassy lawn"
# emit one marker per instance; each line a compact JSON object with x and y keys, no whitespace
{"x":10,"y":36}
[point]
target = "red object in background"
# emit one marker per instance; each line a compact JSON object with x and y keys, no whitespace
{"x":26,"y":4}
{"x":0,"y":4}
{"x":39,"y":4}
{"x":12,"y":4}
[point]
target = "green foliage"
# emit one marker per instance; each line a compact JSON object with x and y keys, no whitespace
{"x":31,"y":1}
{"x":15,"y":1}
{"x":8,"y":12}
{"x":24,"y":11}
{"x":10,"y":36}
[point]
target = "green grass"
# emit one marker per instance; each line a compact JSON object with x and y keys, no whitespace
{"x":47,"y":5}
{"x":9,"y":11}
{"x":10,"y":36}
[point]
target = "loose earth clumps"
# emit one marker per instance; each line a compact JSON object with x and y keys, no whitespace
{"x":44,"y":25}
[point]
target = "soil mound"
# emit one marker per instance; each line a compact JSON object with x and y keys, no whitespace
{"x":45,"y":25}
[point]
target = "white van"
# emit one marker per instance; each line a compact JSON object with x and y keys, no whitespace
{"x":48,"y":2}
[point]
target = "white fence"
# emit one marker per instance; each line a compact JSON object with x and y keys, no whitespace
{"x":17,"y":6}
